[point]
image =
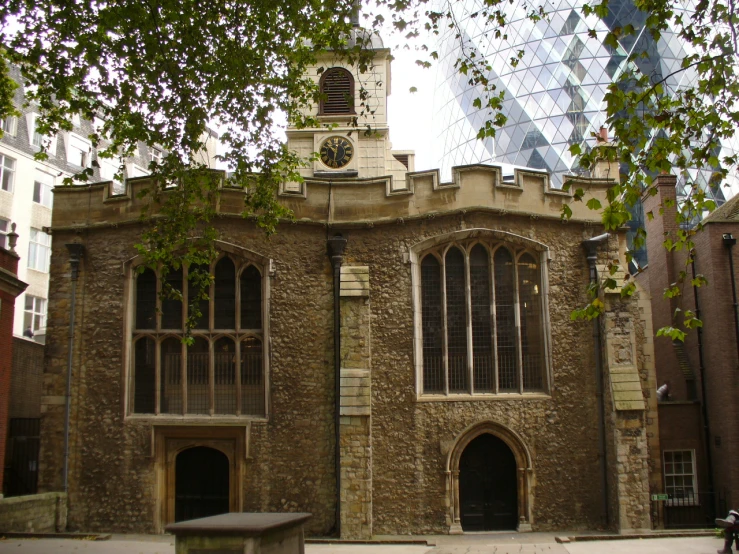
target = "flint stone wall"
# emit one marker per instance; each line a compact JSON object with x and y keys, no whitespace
{"x":290,"y":465}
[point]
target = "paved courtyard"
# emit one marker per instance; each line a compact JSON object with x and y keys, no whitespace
{"x":534,"y":543}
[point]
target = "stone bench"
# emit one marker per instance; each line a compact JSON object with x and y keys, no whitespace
{"x":237,"y":533}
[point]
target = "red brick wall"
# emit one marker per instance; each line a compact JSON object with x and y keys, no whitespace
{"x":680,"y":429}
{"x":680,"y":421}
{"x":682,"y":426}
{"x":720,"y":353}
{"x":8,"y":262}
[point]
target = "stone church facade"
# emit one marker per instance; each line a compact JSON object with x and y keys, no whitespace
{"x":466,"y":398}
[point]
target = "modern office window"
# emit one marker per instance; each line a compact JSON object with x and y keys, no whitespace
{"x":42,"y":189}
{"x":221,"y":372}
{"x":34,"y":316}
{"x":39,"y":250}
{"x":7,"y":173}
{"x":482,"y":320}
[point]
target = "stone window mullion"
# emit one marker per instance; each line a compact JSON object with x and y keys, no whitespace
{"x":158,"y":312}
{"x":185,"y":311}
{"x":494,"y":324}
{"x":211,"y":377}
{"x":237,"y":303}
{"x":183,"y":377}
{"x":545,"y":323}
{"x":444,"y":334}
{"x":211,"y":341}
{"x":468,"y":302}
{"x":157,"y":375}
{"x":237,"y":375}
{"x":517,"y":313}
{"x":211,"y":303}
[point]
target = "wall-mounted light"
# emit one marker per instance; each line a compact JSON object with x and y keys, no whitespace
{"x":729,"y":240}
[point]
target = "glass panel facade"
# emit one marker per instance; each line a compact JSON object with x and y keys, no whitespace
{"x":554,"y":96}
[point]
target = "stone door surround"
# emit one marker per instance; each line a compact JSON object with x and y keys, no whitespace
{"x":524,"y":469}
{"x":169,"y":441}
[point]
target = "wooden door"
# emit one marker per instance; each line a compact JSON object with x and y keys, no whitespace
{"x":488,"y":486}
{"x":201,"y":483}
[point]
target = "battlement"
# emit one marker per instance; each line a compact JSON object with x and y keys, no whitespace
{"x":353,"y":201}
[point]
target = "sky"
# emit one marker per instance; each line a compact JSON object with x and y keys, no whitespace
{"x":410,"y":115}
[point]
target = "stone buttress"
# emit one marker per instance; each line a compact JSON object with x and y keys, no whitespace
{"x":356,"y":410}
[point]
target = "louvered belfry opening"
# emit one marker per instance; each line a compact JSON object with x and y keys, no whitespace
{"x":337,"y":92}
{"x":199,"y":377}
{"x":482,"y":320}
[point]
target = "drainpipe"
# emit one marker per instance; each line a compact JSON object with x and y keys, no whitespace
{"x":729,"y":242}
{"x":591,"y":251}
{"x":76,"y":252}
{"x":336,"y":246}
{"x":701,"y":368}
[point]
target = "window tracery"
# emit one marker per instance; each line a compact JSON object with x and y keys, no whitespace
{"x":482,"y":319}
{"x":221,"y":371}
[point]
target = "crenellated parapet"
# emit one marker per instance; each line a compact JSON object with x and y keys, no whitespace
{"x":356,"y":201}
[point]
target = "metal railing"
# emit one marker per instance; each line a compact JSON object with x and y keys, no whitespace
{"x":691,"y":510}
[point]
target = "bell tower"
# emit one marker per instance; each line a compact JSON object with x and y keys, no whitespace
{"x":352,"y":141}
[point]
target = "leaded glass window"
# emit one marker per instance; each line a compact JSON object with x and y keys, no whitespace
{"x":198,"y":377}
{"x":482,"y":320}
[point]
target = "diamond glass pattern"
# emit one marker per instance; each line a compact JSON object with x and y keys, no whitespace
{"x":554,"y":95}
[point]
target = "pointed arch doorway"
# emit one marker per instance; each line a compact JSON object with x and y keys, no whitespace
{"x":489,"y":480}
{"x":487,"y":486}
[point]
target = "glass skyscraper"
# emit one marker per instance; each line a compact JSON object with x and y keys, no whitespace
{"x":554,"y":97}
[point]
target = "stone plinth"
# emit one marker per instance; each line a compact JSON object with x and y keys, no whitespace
{"x":236,"y":533}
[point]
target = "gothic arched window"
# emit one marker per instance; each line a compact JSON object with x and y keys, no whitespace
{"x":337,"y":92}
{"x":481,"y":320}
{"x":220,"y":371}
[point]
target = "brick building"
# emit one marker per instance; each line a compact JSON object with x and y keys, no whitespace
{"x":10,"y":288}
{"x":701,"y":373}
{"x":399,"y":358}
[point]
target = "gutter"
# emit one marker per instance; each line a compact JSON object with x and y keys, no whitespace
{"x":591,"y":251}
{"x":702,"y":369}
{"x":729,"y":242}
{"x":336,"y":246}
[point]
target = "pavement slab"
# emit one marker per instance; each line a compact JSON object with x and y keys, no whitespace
{"x":466,"y":544}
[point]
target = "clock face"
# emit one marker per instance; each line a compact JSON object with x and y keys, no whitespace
{"x":336,"y":152}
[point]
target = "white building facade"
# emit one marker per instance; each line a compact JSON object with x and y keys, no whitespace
{"x":26,"y":194}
